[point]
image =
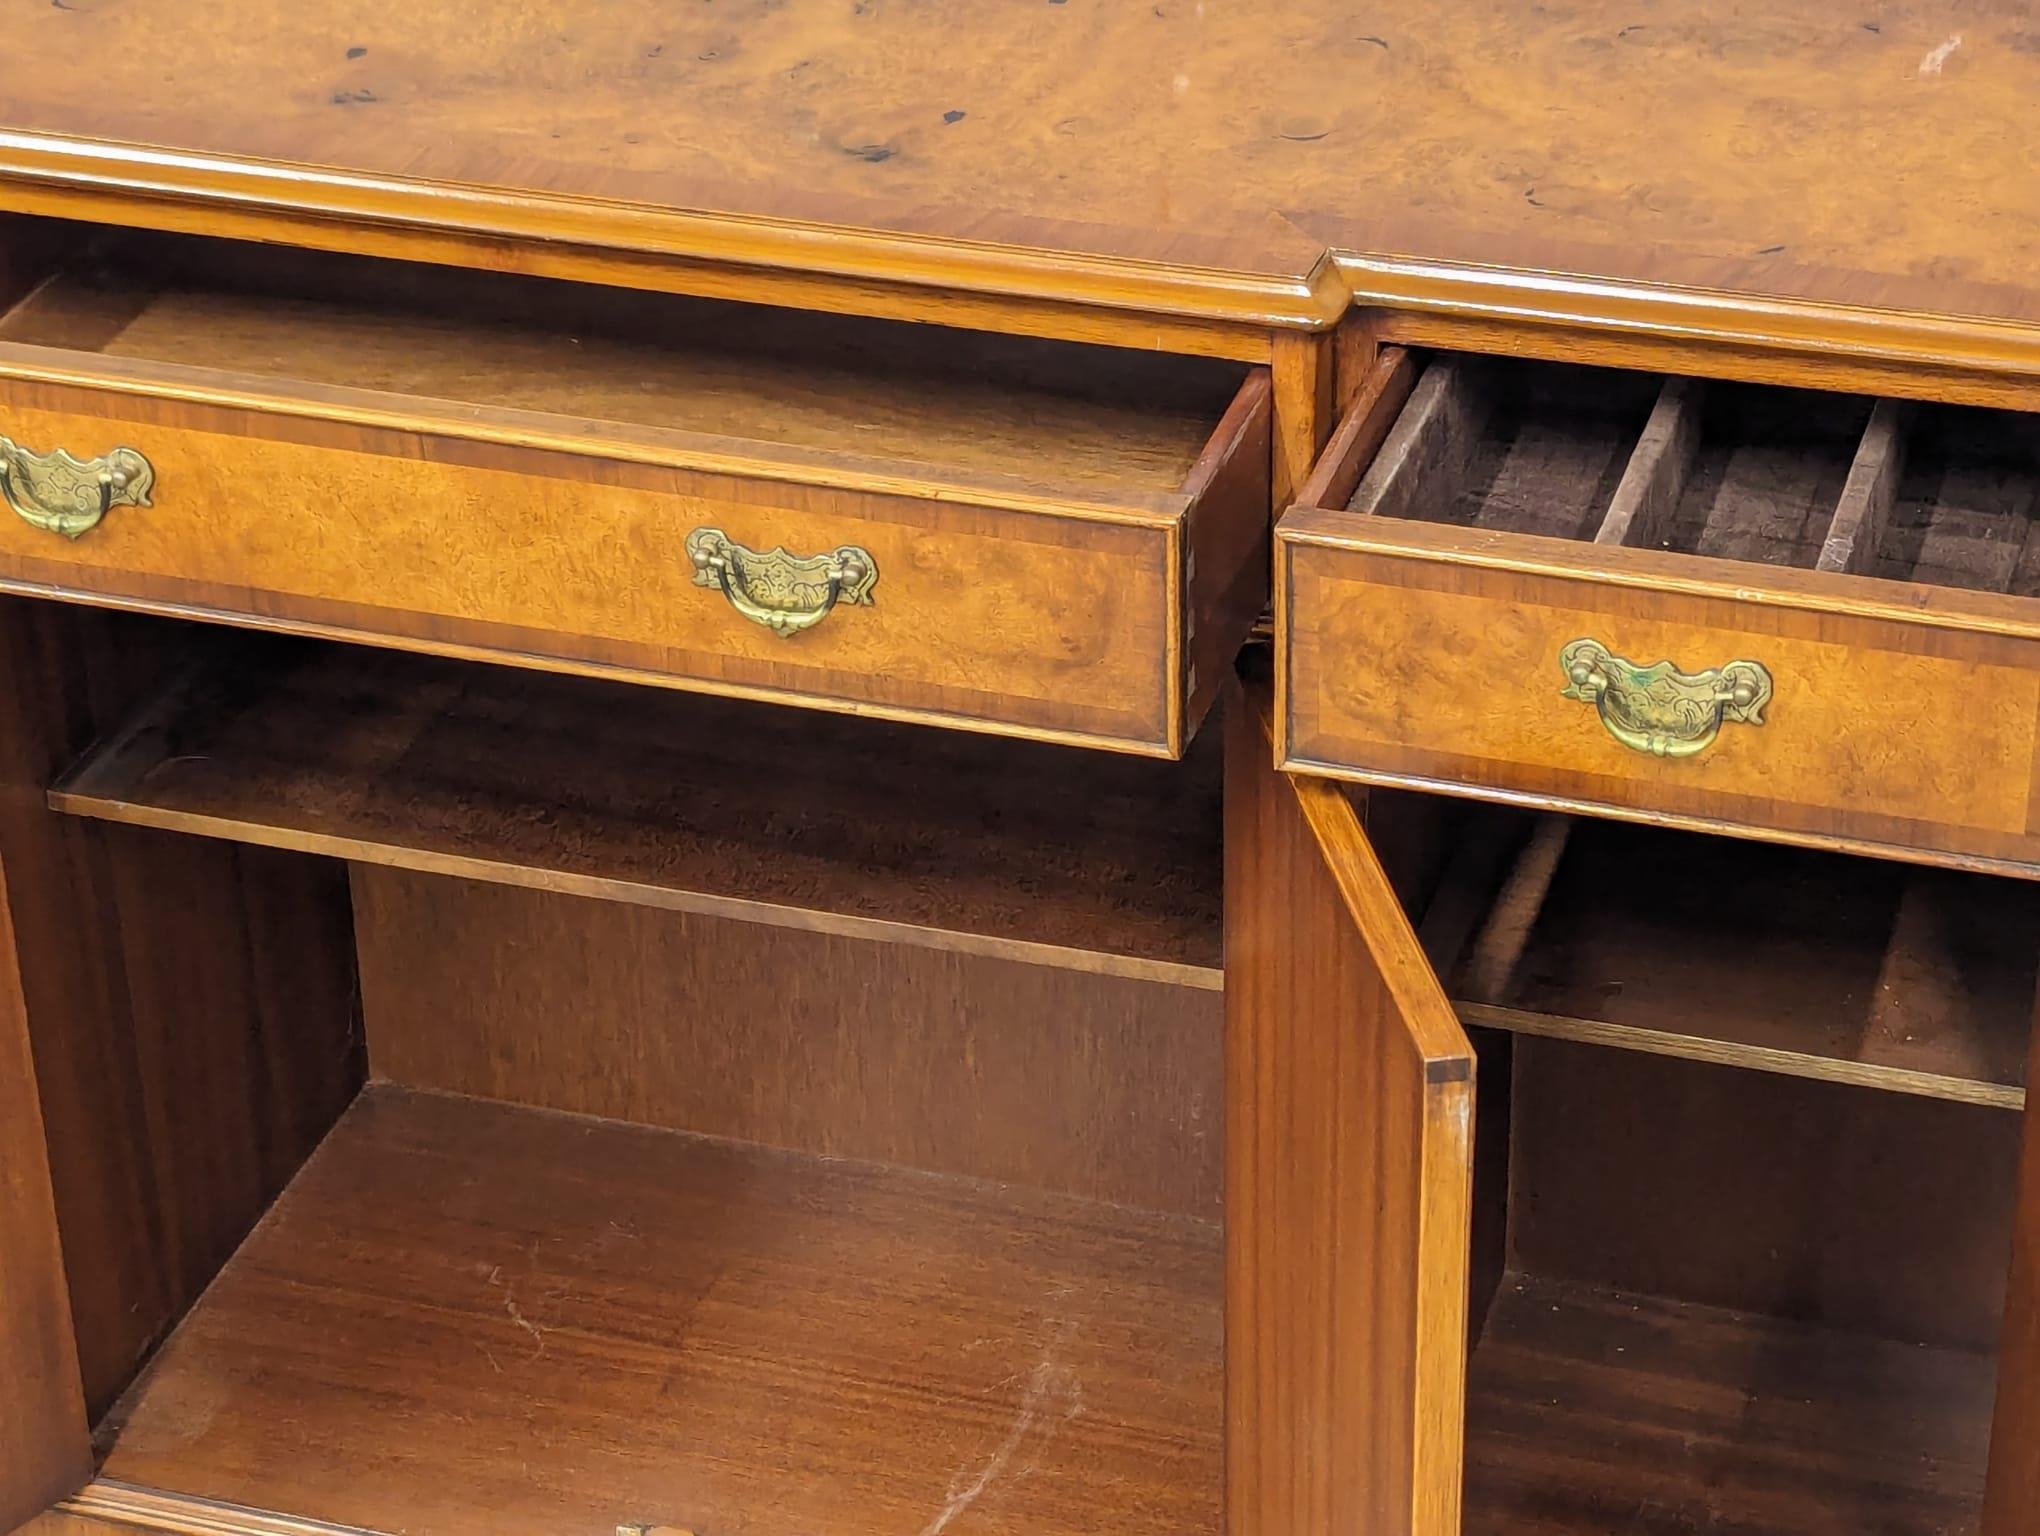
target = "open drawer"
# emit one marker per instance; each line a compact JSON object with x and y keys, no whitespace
{"x":1044,"y":539}
{"x":1790,"y":615}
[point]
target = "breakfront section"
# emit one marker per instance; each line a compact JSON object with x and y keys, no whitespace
{"x":1630,"y":1137}
{"x":612,"y":908}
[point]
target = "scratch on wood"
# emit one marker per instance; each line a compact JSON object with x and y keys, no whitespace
{"x":515,"y":1312}
{"x":1051,"y":1386}
{"x":1939,"y":55}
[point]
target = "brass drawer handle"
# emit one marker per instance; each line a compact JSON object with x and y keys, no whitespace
{"x":1659,"y":709}
{"x":62,"y":494}
{"x":786,"y":593}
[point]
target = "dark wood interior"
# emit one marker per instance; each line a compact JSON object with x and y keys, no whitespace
{"x":1779,"y":959}
{"x":1600,"y":1410}
{"x":1967,"y":504}
{"x":1767,"y":474}
{"x":1940,"y":495}
{"x":1746,"y":1171}
{"x":1518,"y":449}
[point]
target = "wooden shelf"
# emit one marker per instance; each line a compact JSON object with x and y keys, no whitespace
{"x":1597,"y":1411}
{"x":484,"y":1321}
{"x":1015,"y":849}
{"x":1784,"y":960}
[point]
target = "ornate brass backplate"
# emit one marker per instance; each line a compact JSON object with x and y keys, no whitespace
{"x":785,"y":593}
{"x":1659,"y":709}
{"x":62,"y":494}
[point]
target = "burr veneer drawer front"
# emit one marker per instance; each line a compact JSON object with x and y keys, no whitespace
{"x":1027,"y":537}
{"x":1807,"y":617}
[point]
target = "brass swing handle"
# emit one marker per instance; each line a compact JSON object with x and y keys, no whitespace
{"x":1659,"y":709}
{"x":62,"y":494}
{"x":785,"y":593}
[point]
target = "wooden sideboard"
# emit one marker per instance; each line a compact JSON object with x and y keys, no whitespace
{"x":956,"y":770}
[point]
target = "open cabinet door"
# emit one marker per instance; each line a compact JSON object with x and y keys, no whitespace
{"x":45,"y":1450}
{"x":1349,"y":1172}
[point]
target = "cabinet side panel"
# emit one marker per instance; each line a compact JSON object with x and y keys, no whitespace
{"x":45,"y":1451}
{"x":2013,"y":1490}
{"x":190,"y":1004}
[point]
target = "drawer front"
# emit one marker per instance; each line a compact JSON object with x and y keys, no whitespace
{"x":1880,"y":730}
{"x":1019,"y":617}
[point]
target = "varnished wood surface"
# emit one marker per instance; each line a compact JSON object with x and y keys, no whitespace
{"x":1176,"y":160}
{"x":191,"y":1006}
{"x":1091,"y":419}
{"x":467,"y":1319}
{"x":45,"y":1446}
{"x":105,"y":1507}
{"x":857,"y":827}
{"x":1349,"y":1109}
{"x":1605,"y":1411}
{"x":1008,"y":599}
{"x":1906,"y":717}
{"x":2013,"y":1490}
{"x":1778,"y":959}
{"x":1879,"y":1213}
{"x":1086,"y":1084}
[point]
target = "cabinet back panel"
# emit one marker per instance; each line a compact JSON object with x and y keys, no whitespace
{"x":1830,"y":1204}
{"x":1101,"y":1086}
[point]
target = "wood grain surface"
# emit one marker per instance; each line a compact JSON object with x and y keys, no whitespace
{"x":191,"y":1005}
{"x":1349,"y":1168}
{"x":1776,"y":959}
{"x":1597,"y":1410}
{"x":2014,"y":1484}
{"x":1094,"y":1085}
{"x":43,"y":1429}
{"x":1904,"y":720}
{"x":956,"y":404}
{"x":1825,"y":1203}
{"x":859,"y":827}
{"x":1574,"y":161}
{"x":469,"y":1319}
{"x":1013,"y":599}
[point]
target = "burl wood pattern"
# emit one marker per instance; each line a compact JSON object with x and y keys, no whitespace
{"x":480,"y":1321}
{"x":1051,"y":624}
{"x":1904,"y":728}
{"x":1094,"y":1085}
{"x":1348,"y":1174}
{"x":1512,"y":509}
{"x":1181,"y":159}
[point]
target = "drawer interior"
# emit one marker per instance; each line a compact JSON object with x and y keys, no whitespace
{"x":1056,"y":413}
{"x":1942,"y":495}
{"x":757,"y":1120}
{"x":1745,"y":1168}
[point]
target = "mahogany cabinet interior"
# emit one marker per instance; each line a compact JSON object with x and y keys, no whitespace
{"x":969,"y":770}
